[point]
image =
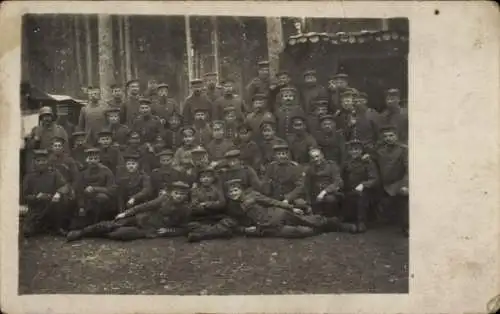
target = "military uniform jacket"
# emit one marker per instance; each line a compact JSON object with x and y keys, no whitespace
{"x":363,"y":129}
{"x":300,"y":144}
{"x":266,"y":147}
{"x":393,"y":166}
{"x":359,"y":171}
{"x":173,"y":138}
{"x":256,"y":86}
{"x":79,"y":156}
{"x":311,"y":93}
{"x":227,"y":101}
{"x":284,"y":180}
{"x":218,"y":147}
{"x":246,"y":174}
{"x":212,"y":95}
{"x":116,"y":103}
{"x":66,"y":166}
{"x":130,"y":110}
{"x":250,"y":154}
{"x":45,"y":136}
{"x":183,"y":174}
{"x":163,"y":107}
{"x":214,"y":200}
{"x":203,"y":134}
{"x":112,"y":158}
{"x":313,"y":124}
{"x":192,"y":103}
{"x":136,"y":186}
{"x":254,"y":120}
{"x":181,"y":151}
{"x":100,"y":178}
{"x":161,"y":178}
{"x":49,"y":182}
{"x":323,"y":177}
{"x":92,"y":120}
{"x":231,"y":129}
{"x":334,"y":99}
{"x":284,"y":115}
{"x":69,"y":127}
{"x":119,"y":135}
{"x":148,"y":127}
{"x":147,"y":159}
{"x":332,"y":145}
{"x":399,"y":119}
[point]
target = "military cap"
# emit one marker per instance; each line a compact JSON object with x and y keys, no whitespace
{"x":297,"y":116}
{"x":40,"y":152}
{"x":165,"y":152}
{"x":114,"y":85}
{"x":244,"y":127}
{"x":339,"y":76}
{"x":79,"y":133}
{"x":104,"y":133}
{"x":210,"y":74}
{"x":200,"y":109}
{"x":45,"y":111}
{"x":229,"y":108}
{"x":393,"y":92}
{"x":180,"y":185}
{"x":349,"y":92}
{"x":196,"y":82}
{"x":282,"y":72}
{"x":267,"y":120}
{"x":132,"y":134}
{"x":144,"y":100}
{"x":310,"y":72}
{"x":259,"y":97}
{"x":92,"y":150}
{"x":112,"y":109}
{"x":234,"y":182}
{"x":282,"y":146}
{"x":354,"y":142}
{"x":218,"y":122}
{"x":263,"y":64}
{"x":162,"y":85}
{"x":131,"y":81}
{"x":131,"y":156}
{"x":188,"y":127}
{"x":326,"y":117}
{"x":289,"y":89}
{"x":206,"y":169}
{"x":232,"y":153}
{"x":387,"y":128}
{"x":320,"y":102}
{"x":58,"y":138}
{"x":198,"y":150}
{"x":362,"y":95}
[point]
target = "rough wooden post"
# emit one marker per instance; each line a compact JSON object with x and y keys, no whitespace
{"x":88,"y":44}
{"x":189,"y":47}
{"x":128,"y":59}
{"x":106,"y":66}
{"x":274,"y":42}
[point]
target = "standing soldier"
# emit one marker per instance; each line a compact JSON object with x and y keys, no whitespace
{"x":147,"y":158}
{"x":300,"y":141}
{"x":237,"y":170}
{"x":320,"y":108}
{"x":41,"y":135}
{"x":119,"y":132}
{"x":92,"y":118}
{"x":161,"y":177}
{"x":163,"y":105}
{"x":210,"y":81}
{"x":43,"y":190}
{"x":331,"y":141}
{"x":146,"y":123}
{"x":260,"y":83}
{"x":283,"y":81}
{"x":109,"y":156}
{"x":64,"y":121}
{"x":95,"y":192}
{"x":134,"y":186}
{"x":360,"y":176}
{"x":232,"y":120}
{"x":337,"y":84}
{"x":311,"y":91}
{"x":363,"y":126}
{"x":151,"y":89}
{"x":346,"y":114}
{"x":116,"y":100}
{"x":219,"y":145}
{"x":171,"y":132}
{"x":392,"y":160}
{"x":195,"y":101}
{"x":131,"y":107}
{"x":229,"y":99}
{"x":289,"y":105}
{"x":284,"y":179}
{"x":61,"y":161}
{"x":394,"y":115}
{"x":268,"y":140}
{"x":78,"y":149}
{"x":202,"y":127}
{"x":250,"y":151}
{"x":258,"y":113}
{"x":166,"y":215}
{"x":188,"y":142}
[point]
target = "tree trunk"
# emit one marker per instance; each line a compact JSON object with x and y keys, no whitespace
{"x":88,"y":44}
{"x":78,"y":52}
{"x":128,"y":62}
{"x":189,"y":46}
{"x":106,"y":66}
{"x":121,"y":49}
{"x":215,"y":47}
{"x":274,"y":42}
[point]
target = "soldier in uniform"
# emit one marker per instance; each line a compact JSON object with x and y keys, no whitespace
{"x":260,"y":83}
{"x":64,"y":121}
{"x":210,"y":81}
{"x":43,"y":191}
{"x":131,"y":106}
{"x":166,"y":215}
{"x":134,"y":186}
{"x":92,"y":117}
{"x":208,"y":220}
{"x":275,"y":98}
{"x":345,"y":116}
{"x":330,"y":140}
{"x":363,"y":126}
{"x":392,"y":160}
{"x":42,"y":134}
{"x":171,"y":133}
{"x":250,"y":151}
{"x":195,"y":101}
{"x":163,"y":106}
{"x":360,"y":177}
{"x":151,"y":90}
{"x":183,"y":168}
{"x":320,"y":108}
{"x":284,"y":178}
{"x":147,"y":159}
{"x":161,"y":177}
{"x":95,"y":192}
{"x":119,"y":132}
{"x":289,"y":105}
{"x":268,"y":140}
{"x":232,"y":120}
{"x":78,"y":149}
{"x":200,"y":158}
{"x":337,"y":84}
{"x":237,"y":170}
{"x":61,"y":161}
{"x":229,"y":99}
{"x":311,"y":91}
{"x":202,"y":127}
{"x":188,"y":142}
{"x":219,"y":145}
{"x":300,"y":141}
{"x":116,"y":100}
{"x":147,"y":124}
{"x":258,"y":113}
{"x":394,"y":115}
{"x":109,"y":156}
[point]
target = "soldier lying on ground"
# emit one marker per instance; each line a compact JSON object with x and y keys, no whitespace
{"x":166,"y":215}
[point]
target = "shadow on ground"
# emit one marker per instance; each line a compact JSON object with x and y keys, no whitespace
{"x":375,"y":262}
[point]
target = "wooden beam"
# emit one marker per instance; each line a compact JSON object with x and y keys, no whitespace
{"x":106,"y":64}
{"x":127,"y":47}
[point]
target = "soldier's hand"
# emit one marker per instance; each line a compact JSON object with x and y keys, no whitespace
{"x":365,"y":157}
{"x":163,"y":121}
{"x":81,"y":212}
{"x":162,"y":192}
{"x":56,"y":198}
{"x":121,"y":215}
{"x":298,"y":211}
{"x":285,"y":201}
{"x":89,"y":189}
{"x":404,"y":190}
{"x":203,"y":205}
{"x":131,"y":202}
{"x":39,"y":196}
{"x":321,"y":195}
{"x":150,"y":147}
{"x":359,"y":188}
{"x":162,"y":231}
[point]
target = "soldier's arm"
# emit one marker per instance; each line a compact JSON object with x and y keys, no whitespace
{"x":123,"y":113}
{"x":268,"y":201}
{"x":147,"y":206}
{"x":337,"y":182}
{"x":372,"y":174}
{"x":109,"y":187}
{"x":254,"y":179}
{"x":27,"y":189}
{"x":267,"y":180}
{"x":342,"y":149}
{"x":61,"y":186}
{"x":196,"y":201}
{"x":146,"y":188}
{"x":219,"y":203}
{"x":299,"y":187}
{"x":308,"y":184}
{"x":81,"y":119}
{"x":33,"y":141}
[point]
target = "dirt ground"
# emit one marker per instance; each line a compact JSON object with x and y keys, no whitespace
{"x":376,"y":261}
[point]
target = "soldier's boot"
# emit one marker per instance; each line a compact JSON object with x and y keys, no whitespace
{"x":172,"y":232}
{"x":334,"y":224}
{"x":251,"y":231}
{"x":99,"y":229}
{"x":222,"y":230}
{"x":294,"y":232}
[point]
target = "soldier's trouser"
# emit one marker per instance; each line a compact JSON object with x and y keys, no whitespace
{"x":398,"y":207}
{"x":328,"y":207}
{"x":206,"y":230}
{"x":42,"y":217}
{"x":285,"y":224}
{"x":97,"y":208}
{"x":355,"y":207}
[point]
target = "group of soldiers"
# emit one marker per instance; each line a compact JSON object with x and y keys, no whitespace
{"x":285,"y":159}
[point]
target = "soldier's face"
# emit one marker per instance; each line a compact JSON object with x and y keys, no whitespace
{"x":152,"y":84}
{"x":93,"y":159}
{"x":258,"y":105}
{"x":321,"y":110}
{"x":165,"y":160}
{"x":355,"y":151}
{"x":79,"y":140}
{"x":163,"y":91}
{"x":338,"y":83}
{"x":200,"y":116}
{"x":144,"y":109}
{"x":188,"y":138}
{"x":174,"y":122}
{"x":228,"y":88}
{"x":159,"y":143}
{"x":116,"y":92}
{"x":283,"y":79}
{"x":298,"y":125}
{"x":41,"y":163}
{"x":46,"y":118}
{"x":218,"y":132}
{"x":347,"y":102}
{"x":281,"y":156}
{"x":234,"y":193}
{"x":361,"y":102}
{"x":186,"y":160}
{"x":327,"y":125}
{"x":392,"y":101}
{"x":105,"y":141}
{"x":264,"y":73}
{"x":95,"y":94}
{"x":206,"y":179}
{"x":390,"y":137}
{"x":310,"y":79}
{"x":134,"y":141}
{"x":131,"y":166}
{"x":134,"y":88}
{"x":211,"y":82}
{"x":230,"y":116}
{"x":288,"y":97}
{"x":267,"y":133}
{"x":316,"y":156}
{"x":57,"y":147}
{"x":233,"y":162}
{"x":197,"y":89}
{"x":244,"y":135}
{"x":179,"y":196}
{"x":113,"y":118}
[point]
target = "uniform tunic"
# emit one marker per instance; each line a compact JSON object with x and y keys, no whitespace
{"x":133,"y":185}
{"x":173,"y":138}
{"x":203,"y":134}
{"x":193,"y":103}
{"x":284,"y":181}
{"x":311,"y":93}
{"x":213,"y":198}
{"x":164,"y":107}
{"x":130,"y":110}
{"x":257,"y":86}
{"x":326,"y":176}
{"x":92,"y":120}
{"x":245,"y":173}
{"x":398,"y":119}
{"x":148,"y":127}
{"x":266,"y":147}
{"x":300,"y":144}
{"x":393,"y":164}
{"x":112,"y":158}
{"x":250,"y":154}
{"x":284,"y":115}
{"x":119,"y":133}
{"x":217,"y":148}
{"x":45,"y":135}
{"x":66,"y":166}
{"x":147,"y":159}
{"x":229,"y":101}
{"x":160,"y":178}
{"x":332,"y":145}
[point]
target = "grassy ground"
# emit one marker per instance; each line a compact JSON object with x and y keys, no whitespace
{"x":376,"y":261}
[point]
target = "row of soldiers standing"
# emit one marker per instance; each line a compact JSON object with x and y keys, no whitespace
{"x":310,"y":151}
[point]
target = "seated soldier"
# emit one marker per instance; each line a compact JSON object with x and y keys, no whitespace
{"x":207,"y":209}
{"x":219,"y":145}
{"x":236,"y":170}
{"x":109,"y":156}
{"x":360,"y":176}
{"x":119,"y":132}
{"x":250,"y":151}
{"x":95,"y":192}
{"x":203,"y":133}
{"x":231,"y":119}
{"x":188,"y":142}
{"x":268,"y":140}
{"x":147,"y":159}
{"x":134,"y":186}
{"x":299,"y":140}
{"x":78,"y":149}
{"x":330,"y":140}
{"x":43,"y":191}
{"x":259,"y":215}
{"x":200,"y":158}
{"x":290,"y":105}
{"x":284,"y":179}
{"x":166,"y":215}
{"x":161,"y":177}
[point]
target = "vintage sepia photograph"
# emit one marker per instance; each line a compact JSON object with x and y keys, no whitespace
{"x":213,"y":155}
